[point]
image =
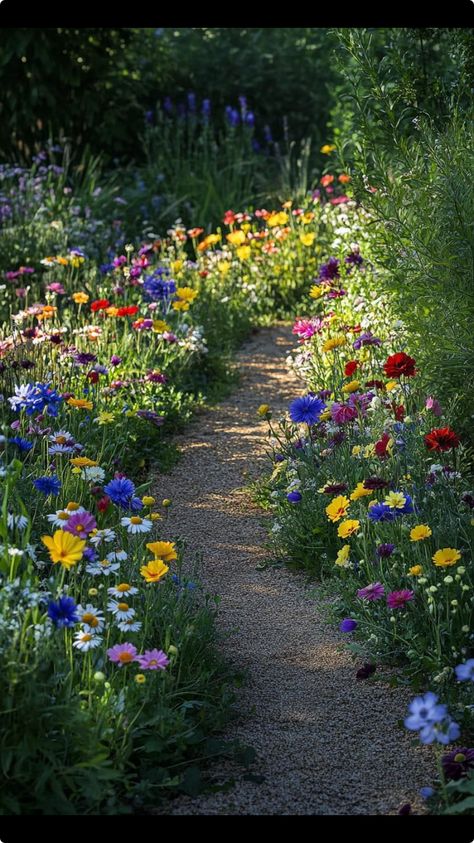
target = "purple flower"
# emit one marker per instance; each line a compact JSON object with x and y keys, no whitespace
{"x":458,"y":762}
{"x":123,"y":654}
{"x":385,"y":550}
{"x":330,"y":270}
{"x":83,"y":358}
{"x":343,"y":413}
{"x":348,"y":625}
{"x":374,"y":591}
{"x":434,"y":405}
{"x":306,"y":410}
{"x":294,"y":497}
{"x":366,"y":338}
{"x":153,"y":660}
{"x":398,"y":599}
{"x":465,"y":672}
{"x":80,"y":524}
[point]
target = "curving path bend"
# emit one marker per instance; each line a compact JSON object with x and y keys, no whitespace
{"x":326,"y":742}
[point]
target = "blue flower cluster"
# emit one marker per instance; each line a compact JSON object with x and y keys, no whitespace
{"x":36,"y":398}
{"x":121,"y":491}
{"x":157,"y":287}
{"x":431,"y":720}
{"x":63,"y":613}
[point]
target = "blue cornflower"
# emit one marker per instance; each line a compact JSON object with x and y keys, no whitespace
{"x":157,"y":288}
{"x":443,"y":731}
{"x":120,"y":491}
{"x":294,"y":497}
{"x":182,"y":584}
{"x":89,"y":554}
{"x":63,"y":613}
{"x":465,"y":672}
{"x":48,"y":485}
{"x":382,"y":512}
{"x":307,"y":409}
{"x":135,"y":504}
{"x":408,"y":507}
{"x":22,"y":444}
{"x":426,"y":792}
{"x":104,"y":268}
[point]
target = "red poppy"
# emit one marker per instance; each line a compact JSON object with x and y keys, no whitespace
{"x":400,"y":364}
{"x":131,"y":310}
{"x":229,"y":218}
{"x":399,"y":412}
{"x":100,"y":304}
{"x":350,"y":368}
{"x":93,"y":376}
{"x":441,"y":439}
{"x":204,"y":273}
{"x":377,"y":384}
{"x":381,"y":446}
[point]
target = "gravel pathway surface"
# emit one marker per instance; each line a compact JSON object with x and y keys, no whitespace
{"x":326,"y":742}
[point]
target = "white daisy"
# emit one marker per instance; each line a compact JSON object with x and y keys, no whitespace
{"x":102,"y":536}
{"x":86,"y":640}
{"x":117,"y":556}
{"x":135,"y":524}
{"x":124,"y":589}
{"x":122,"y":611}
{"x":103,"y":567}
{"x":91,"y":618}
{"x":130,"y":626}
{"x":59,"y":518}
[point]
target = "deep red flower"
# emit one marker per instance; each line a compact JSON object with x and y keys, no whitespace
{"x":93,"y":376}
{"x":441,"y":439}
{"x":381,"y":446}
{"x":103,"y":503}
{"x":377,"y":384}
{"x":350,"y":368}
{"x":100,"y":304}
{"x":400,"y":364}
{"x":399,"y":412}
{"x":204,"y":273}
{"x":131,"y":310}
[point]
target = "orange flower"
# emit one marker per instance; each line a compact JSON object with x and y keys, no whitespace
{"x":80,"y":403}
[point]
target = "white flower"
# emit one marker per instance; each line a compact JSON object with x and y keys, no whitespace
{"x":117,"y":556}
{"x":130,"y":626}
{"x":93,"y":473}
{"x":122,"y":611}
{"x":124,"y":589}
{"x":86,"y":640}
{"x":91,"y":618}
{"x":135,"y":524}
{"x":103,"y":567}
{"x":18,"y":521}
{"x":15,"y":551}
{"x":101,"y":536}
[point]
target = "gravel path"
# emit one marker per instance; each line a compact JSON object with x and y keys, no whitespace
{"x":326,"y":742}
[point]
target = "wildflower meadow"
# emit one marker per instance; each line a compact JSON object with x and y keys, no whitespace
{"x":132,"y":269}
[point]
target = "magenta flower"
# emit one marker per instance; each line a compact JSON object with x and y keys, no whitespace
{"x":80,"y":524}
{"x":306,"y":328}
{"x":397,"y":599}
{"x":374,"y":591}
{"x":123,"y":654}
{"x":434,"y":405}
{"x":342,"y":413}
{"x":56,"y":287}
{"x":153,"y":660}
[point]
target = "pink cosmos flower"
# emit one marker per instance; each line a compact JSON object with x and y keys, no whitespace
{"x":434,"y":405}
{"x":306,"y":328}
{"x":122,"y":654}
{"x":342,"y":413}
{"x":374,"y":591}
{"x":153,"y":660}
{"x":56,"y":287}
{"x":80,"y":524}
{"x":397,"y":599}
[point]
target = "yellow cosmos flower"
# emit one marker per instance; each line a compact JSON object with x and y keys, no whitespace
{"x":308,"y":238}
{"x":395,"y":500}
{"x":176,"y":265}
{"x":243,"y":253}
{"x":160,"y":327}
{"x":446,"y":557}
{"x":64,"y":548}
{"x":154,"y":571}
{"x":347,"y":528}
{"x":80,"y":403}
{"x":82,"y":462}
{"x":165,"y":551}
{"x":148,"y":500}
{"x":369,"y":451}
{"x":337,"y":508}
{"x":104,"y":418}
{"x":342,"y":558}
{"x":80,"y":298}
{"x":360,"y":492}
{"x":236,"y":238}
{"x":416,"y":571}
{"x":180,"y":305}
{"x":334,"y":342}
{"x":422,"y":531}
{"x":263,"y":410}
{"x":327,"y":148}
{"x":277,"y":219}
{"x":352,"y":386}
{"x":223,"y":267}
{"x":356,"y":450}
{"x":390,"y":385}
{"x":307,"y":217}
{"x":187,"y":293}
{"x":316,"y":291}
